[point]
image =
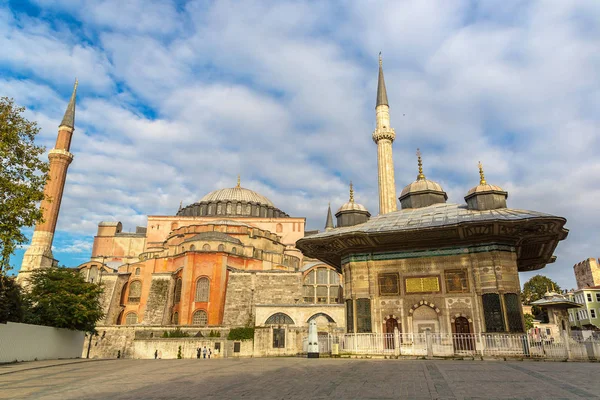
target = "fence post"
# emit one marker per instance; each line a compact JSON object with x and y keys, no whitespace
{"x":565,"y":338}
{"x":429,"y":344}
{"x":481,"y":340}
{"x":396,"y":342}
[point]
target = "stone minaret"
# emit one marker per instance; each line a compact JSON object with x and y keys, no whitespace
{"x":383,"y":136}
{"x":329,"y":223}
{"x":39,"y":253}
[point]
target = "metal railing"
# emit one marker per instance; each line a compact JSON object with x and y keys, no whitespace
{"x":460,"y":345}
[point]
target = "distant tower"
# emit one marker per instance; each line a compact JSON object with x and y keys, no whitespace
{"x":39,"y":253}
{"x":329,"y":223}
{"x":383,"y":136}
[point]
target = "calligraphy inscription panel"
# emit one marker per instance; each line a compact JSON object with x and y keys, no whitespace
{"x":422,"y":284}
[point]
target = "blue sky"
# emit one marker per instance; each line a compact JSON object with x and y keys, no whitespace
{"x":178,"y":97}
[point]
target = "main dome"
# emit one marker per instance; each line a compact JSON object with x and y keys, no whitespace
{"x":236,"y":194}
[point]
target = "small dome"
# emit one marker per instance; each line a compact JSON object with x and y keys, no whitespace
{"x":484,"y":188}
{"x":237,"y":194}
{"x":352,"y":206}
{"x":421,"y":185}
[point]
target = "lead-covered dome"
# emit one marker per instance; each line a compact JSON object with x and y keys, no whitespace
{"x":351,"y":212}
{"x":485,"y":196}
{"x":422,"y":192}
{"x":233,"y":202}
{"x":237,"y":194}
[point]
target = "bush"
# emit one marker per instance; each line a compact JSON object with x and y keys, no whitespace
{"x":176,"y":333}
{"x":241,"y":334}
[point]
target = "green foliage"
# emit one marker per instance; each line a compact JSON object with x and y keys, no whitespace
{"x":528,"y":322}
{"x":11,"y":300}
{"x":61,"y":298}
{"x":179,"y":357}
{"x":175,"y":333}
{"x":214,"y":333}
{"x":22,"y":178}
{"x":535,"y":288}
{"x":241,"y":333}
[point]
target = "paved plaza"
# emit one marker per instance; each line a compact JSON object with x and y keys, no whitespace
{"x":298,"y":378}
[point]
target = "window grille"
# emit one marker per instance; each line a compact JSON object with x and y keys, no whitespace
{"x":513,"y":312}
{"x":492,"y":311}
{"x":202,"y":289}
{"x":334,"y":278}
{"x":309,"y":294}
{"x":278,"y":338}
{"x":279,"y":319}
{"x":334,"y":294}
{"x":177,"y":297}
{"x":349,"y":316}
{"x":310,"y":278}
{"x":135,"y":292}
{"x":363,"y":315}
{"x":131,"y":319}
{"x":322,"y":294}
{"x":322,"y":276}
{"x":200,"y":318}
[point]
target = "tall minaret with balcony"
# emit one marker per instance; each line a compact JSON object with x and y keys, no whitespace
{"x":39,"y":253}
{"x":383,"y":136}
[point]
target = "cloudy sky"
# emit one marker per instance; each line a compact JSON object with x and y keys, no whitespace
{"x":177,"y":97}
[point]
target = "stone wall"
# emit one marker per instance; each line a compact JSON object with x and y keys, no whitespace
{"x":246,"y":289}
{"x":157,"y":305}
{"x":587,"y":273}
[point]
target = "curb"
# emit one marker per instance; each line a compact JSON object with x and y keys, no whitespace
{"x":81,"y":361}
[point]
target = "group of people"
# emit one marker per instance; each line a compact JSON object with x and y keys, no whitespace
{"x":199,"y":351}
{"x":204,"y":352}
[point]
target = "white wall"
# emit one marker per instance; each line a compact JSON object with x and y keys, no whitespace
{"x":24,"y":342}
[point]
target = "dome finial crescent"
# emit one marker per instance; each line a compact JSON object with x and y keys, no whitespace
{"x":238,"y":181}
{"x":421,"y":176}
{"x":481,"y":176}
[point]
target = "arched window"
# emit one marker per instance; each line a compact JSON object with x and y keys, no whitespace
{"x":279,"y":319}
{"x":322,"y":285}
{"x":137,"y":271}
{"x":221,"y":248}
{"x":93,"y":274}
{"x":200,"y":318}
{"x":206,"y":247}
{"x":176,"y":318}
{"x":192,"y":248}
{"x":131,"y":318}
{"x":278,"y":228}
{"x":238,"y":209}
{"x":233,"y":250}
{"x":135,"y":292}
{"x":177,"y":297}
{"x":202,"y":289}
{"x":492,"y":312}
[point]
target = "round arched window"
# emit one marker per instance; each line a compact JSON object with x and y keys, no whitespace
{"x":200,"y":318}
{"x":131,"y":319}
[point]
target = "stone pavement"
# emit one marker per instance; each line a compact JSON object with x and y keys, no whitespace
{"x":301,"y":378}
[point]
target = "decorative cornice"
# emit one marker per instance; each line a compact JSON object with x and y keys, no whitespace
{"x":60,"y":154}
{"x":384,"y":133}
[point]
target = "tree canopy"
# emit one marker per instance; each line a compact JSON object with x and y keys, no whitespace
{"x":535,"y":288}
{"x":11,"y":300}
{"x":61,"y":298}
{"x":22,"y":178}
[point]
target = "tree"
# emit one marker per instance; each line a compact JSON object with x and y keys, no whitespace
{"x":61,"y":298}
{"x":535,"y":288}
{"x":528,"y":322}
{"x":11,"y":300}
{"x":22,"y":178}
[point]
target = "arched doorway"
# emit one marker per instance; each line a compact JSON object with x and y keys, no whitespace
{"x":462,"y":334}
{"x":391,"y":323}
{"x":425,"y":319}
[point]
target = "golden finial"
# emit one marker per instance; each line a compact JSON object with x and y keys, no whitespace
{"x":420,"y":177}
{"x":380,"y":61}
{"x":481,"y":176}
{"x":351,"y":193}
{"x":239,"y":181}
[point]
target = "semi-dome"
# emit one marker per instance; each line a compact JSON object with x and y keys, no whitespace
{"x":422,"y":192}
{"x":233,"y":202}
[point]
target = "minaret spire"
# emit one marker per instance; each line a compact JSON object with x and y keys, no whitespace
{"x":69,"y":117}
{"x":384,"y":136}
{"x":39,"y":253}
{"x":329,"y":223}
{"x":381,"y":92}
{"x":351,"y":193}
{"x":239,"y":182}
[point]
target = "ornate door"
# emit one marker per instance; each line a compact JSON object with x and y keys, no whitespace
{"x":462,"y":334}
{"x":390,"y":326}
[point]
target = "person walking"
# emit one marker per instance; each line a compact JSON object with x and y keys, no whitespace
{"x":160,"y":355}
{"x":209,"y":353}
{"x":155,"y":354}
{"x":204,"y":352}
{"x":198,"y":350}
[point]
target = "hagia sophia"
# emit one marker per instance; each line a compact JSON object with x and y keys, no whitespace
{"x":235,"y":259}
